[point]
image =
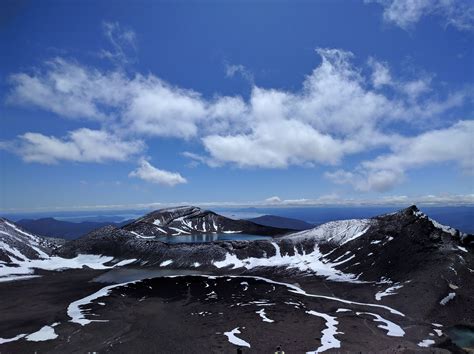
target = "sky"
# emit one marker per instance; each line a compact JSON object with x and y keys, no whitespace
{"x":107,"y":104}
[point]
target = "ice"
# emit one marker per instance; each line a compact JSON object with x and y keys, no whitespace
{"x":235,"y":340}
{"x":166,"y":263}
{"x":264,"y":317}
{"x":13,"y":339}
{"x":463,"y":249}
{"x":393,"y":329}
{"x":328,"y":340}
{"x":45,"y":333}
{"x":196,"y":264}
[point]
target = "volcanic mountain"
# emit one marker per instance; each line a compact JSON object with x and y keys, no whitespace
{"x":187,"y":220}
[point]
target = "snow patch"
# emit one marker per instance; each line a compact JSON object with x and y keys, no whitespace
{"x":447,"y":298}
{"x":264,"y":317}
{"x":387,"y":292}
{"x":166,"y":263}
{"x":13,"y":339}
{"x":328,"y":340}
{"x":231,"y":336}
{"x":425,"y":343}
{"x":392,"y":329}
{"x":44,"y":334}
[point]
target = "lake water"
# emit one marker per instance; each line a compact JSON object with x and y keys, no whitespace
{"x":210,"y":238}
{"x":463,"y":336}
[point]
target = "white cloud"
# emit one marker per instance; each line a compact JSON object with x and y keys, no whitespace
{"x":123,"y":42}
{"x":151,"y":174}
{"x":453,"y":144}
{"x":82,"y":145}
{"x":232,"y":69}
{"x":406,"y":13}
{"x":273,"y":200}
{"x":339,"y":111}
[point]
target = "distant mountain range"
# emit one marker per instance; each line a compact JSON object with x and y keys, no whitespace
{"x":64,"y":229}
{"x":282,"y":222}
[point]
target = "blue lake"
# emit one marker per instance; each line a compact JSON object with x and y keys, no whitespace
{"x":210,"y":238}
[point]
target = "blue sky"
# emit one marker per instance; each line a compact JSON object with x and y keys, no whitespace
{"x":109,"y":104}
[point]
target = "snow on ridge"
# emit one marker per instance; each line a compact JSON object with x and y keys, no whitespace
{"x":305,"y":262}
{"x":74,"y":309}
{"x":387,"y":292}
{"x":338,"y":232}
{"x":10,"y":273}
{"x":448,"y":229}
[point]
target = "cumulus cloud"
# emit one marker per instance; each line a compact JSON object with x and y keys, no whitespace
{"x":82,"y":145}
{"x":151,"y":174}
{"x":406,"y":13}
{"x":453,"y":144}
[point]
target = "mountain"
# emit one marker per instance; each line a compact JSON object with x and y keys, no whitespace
{"x":63,"y":229}
{"x":399,"y":282}
{"x":188,"y":220}
{"x":370,"y":248}
{"x":281,"y":222}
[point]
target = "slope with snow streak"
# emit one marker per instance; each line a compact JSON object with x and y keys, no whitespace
{"x":24,"y":252}
{"x":335,"y":232}
{"x":305,"y":262}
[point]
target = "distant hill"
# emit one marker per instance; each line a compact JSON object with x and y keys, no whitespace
{"x":63,"y":229}
{"x":281,"y":222}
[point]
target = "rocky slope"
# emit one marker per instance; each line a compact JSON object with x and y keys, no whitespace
{"x":18,"y":244}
